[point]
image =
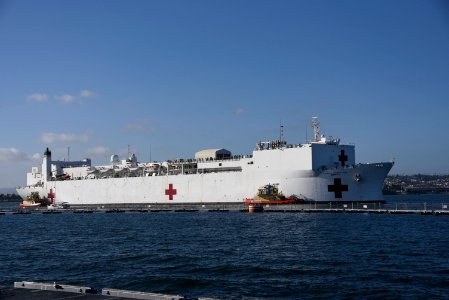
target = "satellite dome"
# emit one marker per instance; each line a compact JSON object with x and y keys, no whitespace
{"x":114,"y":158}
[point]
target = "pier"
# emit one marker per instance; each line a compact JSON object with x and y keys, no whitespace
{"x":431,"y":209}
{"x":28,"y":290}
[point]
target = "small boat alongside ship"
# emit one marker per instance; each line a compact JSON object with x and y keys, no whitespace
{"x":34,"y":201}
{"x":269,"y":194}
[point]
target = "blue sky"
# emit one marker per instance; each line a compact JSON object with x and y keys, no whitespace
{"x":170,"y":78}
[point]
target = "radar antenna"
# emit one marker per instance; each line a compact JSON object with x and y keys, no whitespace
{"x":316,"y":129}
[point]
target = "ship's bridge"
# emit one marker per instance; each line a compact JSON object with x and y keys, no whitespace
{"x":322,"y":154}
{"x":332,"y":155}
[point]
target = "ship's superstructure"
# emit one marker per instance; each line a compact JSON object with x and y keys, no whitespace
{"x":321,"y":170}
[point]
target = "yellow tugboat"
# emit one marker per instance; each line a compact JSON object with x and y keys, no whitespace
{"x":269,"y":194}
{"x":33,"y":201}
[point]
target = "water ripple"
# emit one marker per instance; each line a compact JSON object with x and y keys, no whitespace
{"x":233,"y":255}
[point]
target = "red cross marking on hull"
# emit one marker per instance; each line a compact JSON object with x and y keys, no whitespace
{"x":170,"y":191}
{"x":51,"y":196}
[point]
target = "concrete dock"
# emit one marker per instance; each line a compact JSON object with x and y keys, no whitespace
{"x":394,"y":209}
{"x":28,"y":290}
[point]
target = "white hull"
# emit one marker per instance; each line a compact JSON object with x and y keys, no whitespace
{"x":225,"y":187}
{"x":322,"y":170}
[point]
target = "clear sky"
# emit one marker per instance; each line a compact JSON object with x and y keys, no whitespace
{"x":170,"y":78}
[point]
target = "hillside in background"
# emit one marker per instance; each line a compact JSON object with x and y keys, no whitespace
{"x":416,"y":184}
{"x":8,"y":191}
{"x":9,"y":197}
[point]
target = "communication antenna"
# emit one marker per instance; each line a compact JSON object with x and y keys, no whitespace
{"x":68,"y":153}
{"x":316,"y":129}
{"x":281,"y":132}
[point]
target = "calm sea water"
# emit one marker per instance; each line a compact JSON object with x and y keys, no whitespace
{"x":235,"y":255}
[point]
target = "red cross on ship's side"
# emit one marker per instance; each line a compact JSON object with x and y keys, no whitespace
{"x":51,"y":196}
{"x":170,"y":192}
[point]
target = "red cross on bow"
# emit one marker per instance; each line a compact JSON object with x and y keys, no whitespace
{"x":170,"y":191}
{"x":51,"y":195}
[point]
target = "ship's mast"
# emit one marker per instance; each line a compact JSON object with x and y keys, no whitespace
{"x":281,"y":133}
{"x":316,"y":129}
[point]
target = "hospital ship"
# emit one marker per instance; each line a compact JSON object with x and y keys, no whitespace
{"x":319,"y":170}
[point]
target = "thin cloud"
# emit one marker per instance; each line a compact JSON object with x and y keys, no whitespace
{"x":36,"y":156}
{"x":144,"y":125}
{"x":87,"y":94}
{"x":50,"y":138}
{"x":98,"y":151}
{"x":15,"y":155}
{"x":37,"y":97}
{"x":238,"y":111}
{"x":66,"y":98}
